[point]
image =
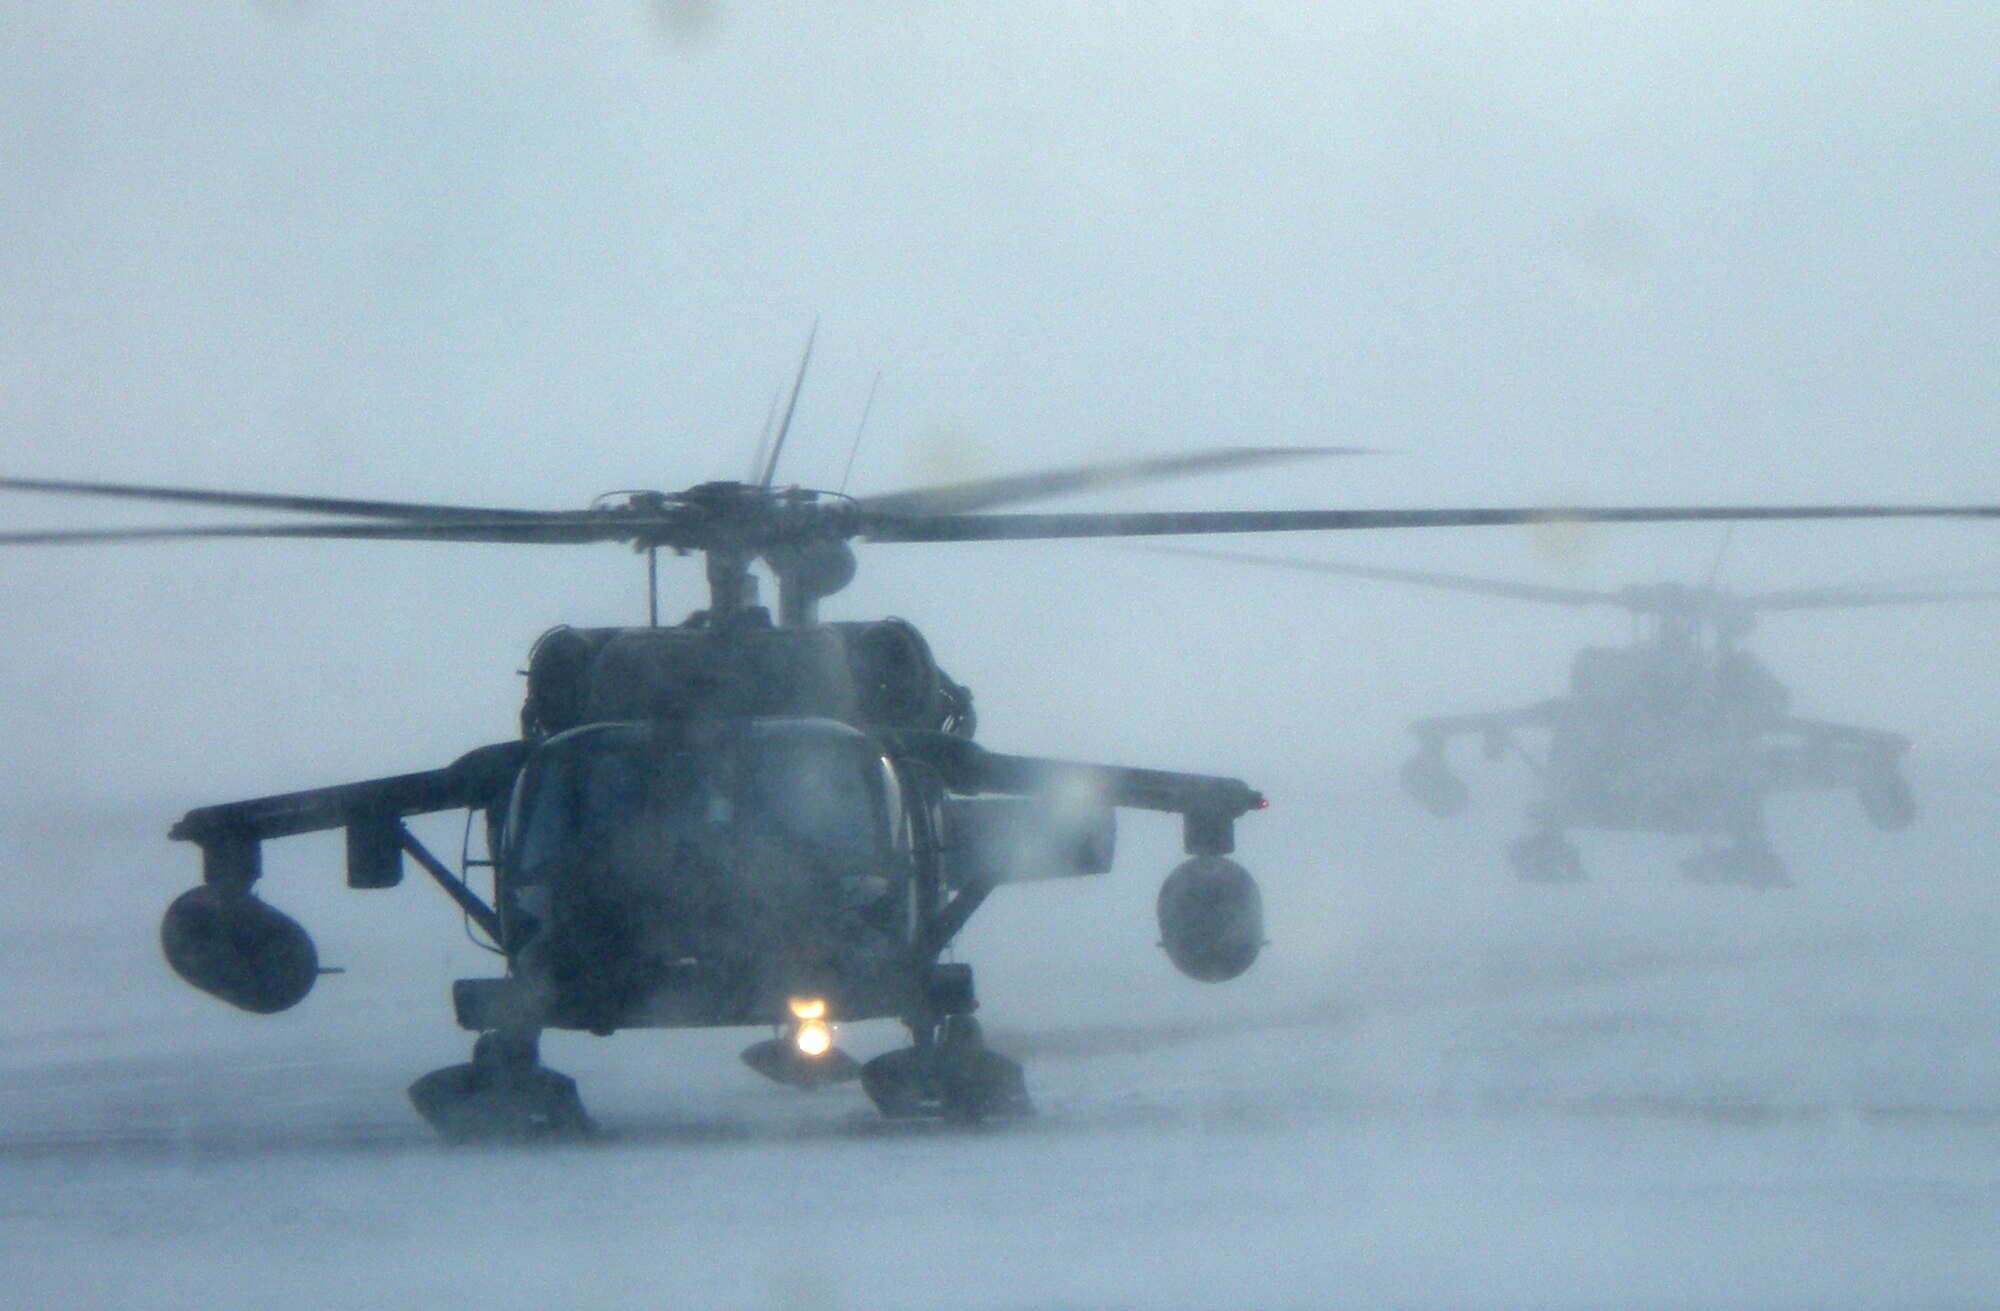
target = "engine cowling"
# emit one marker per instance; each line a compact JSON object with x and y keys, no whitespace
{"x":895,"y":677}
{"x":1211,"y":918}
{"x":233,"y":946}
{"x":817,"y":569}
{"x":996,"y":840}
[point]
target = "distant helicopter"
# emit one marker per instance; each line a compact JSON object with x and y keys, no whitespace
{"x":1680,"y":732}
{"x":745,"y":820}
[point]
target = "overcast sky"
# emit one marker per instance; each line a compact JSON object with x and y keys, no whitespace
{"x":1617,"y":253}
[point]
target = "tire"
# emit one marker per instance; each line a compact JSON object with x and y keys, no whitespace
{"x":1545,"y":858}
{"x":1887,"y":799}
{"x":1429,"y":780}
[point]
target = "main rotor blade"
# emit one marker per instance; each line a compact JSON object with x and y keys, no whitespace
{"x":990,"y":493}
{"x":261,"y":500}
{"x":1846,"y":599}
{"x":1799,"y":597}
{"x":529,"y":530}
{"x":1415,"y":577}
{"x":1048,"y":527}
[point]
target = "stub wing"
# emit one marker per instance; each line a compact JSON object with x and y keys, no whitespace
{"x":1208,"y":805}
{"x":372,"y":811}
{"x":1442,"y":728}
{"x":1804,"y":755}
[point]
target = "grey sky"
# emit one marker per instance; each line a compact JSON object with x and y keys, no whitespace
{"x":1619,"y":253}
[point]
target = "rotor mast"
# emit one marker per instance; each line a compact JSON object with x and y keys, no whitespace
{"x":732,"y":589}
{"x":800,"y":537}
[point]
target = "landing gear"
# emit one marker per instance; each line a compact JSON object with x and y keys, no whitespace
{"x":504,"y":1094}
{"x":1750,"y":863}
{"x":1886,"y":798}
{"x":782,"y":1060}
{"x":948,"y":1072}
{"x":1545,"y":857}
{"x":1428,"y":778}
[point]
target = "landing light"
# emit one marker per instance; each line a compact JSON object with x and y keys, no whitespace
{"x":811,"y":1034}
{"x":813,"y":1037}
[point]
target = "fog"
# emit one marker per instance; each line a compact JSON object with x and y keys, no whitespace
{"x":1703,"y":254}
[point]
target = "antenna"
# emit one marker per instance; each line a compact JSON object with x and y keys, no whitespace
{"x":1721,"y":553}
{"x":784,"y":427}
{"x":764,"y":438}
{"x":860,"y":429}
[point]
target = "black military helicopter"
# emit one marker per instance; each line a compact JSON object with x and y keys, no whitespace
{"x":744,"y":819}
{"x":1682,"y":731}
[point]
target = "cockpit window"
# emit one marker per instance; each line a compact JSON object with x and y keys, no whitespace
{"x":621,"y":792}
{"x":822,"y":791}
{"x":612,"y":789}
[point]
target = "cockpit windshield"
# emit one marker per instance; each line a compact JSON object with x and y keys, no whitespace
{"x":823,"y":790}
{"x":630,"y":793}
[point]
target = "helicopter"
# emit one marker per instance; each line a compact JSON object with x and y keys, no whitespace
{"x":746,"y":819}
{"x":1683,"y":731}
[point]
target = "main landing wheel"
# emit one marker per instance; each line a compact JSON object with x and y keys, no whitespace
{"x":948,"y":1074}
{"x":504,"y":1094}
{"x":1886,"y":798}
{"x":1545,"y":857}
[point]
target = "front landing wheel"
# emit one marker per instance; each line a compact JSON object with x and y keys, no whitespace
{"x":952,"y":1076}
{"x":504,"y":1094}
{"x":1751,"y":863}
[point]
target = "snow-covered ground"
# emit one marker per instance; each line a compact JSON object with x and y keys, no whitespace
{"x":1438,"y":1089}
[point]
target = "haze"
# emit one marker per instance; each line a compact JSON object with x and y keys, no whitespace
{"x":1706,"y":254}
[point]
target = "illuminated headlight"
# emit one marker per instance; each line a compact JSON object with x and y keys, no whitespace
{"x":811,"y":1033}
{"x":813,"y":1037}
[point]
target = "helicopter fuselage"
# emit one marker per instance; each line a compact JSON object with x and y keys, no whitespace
{"x":1667,"y":736}
{"x":1662,"y":737}
{"x":724,"y":824}
{"x":654,"y":875}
